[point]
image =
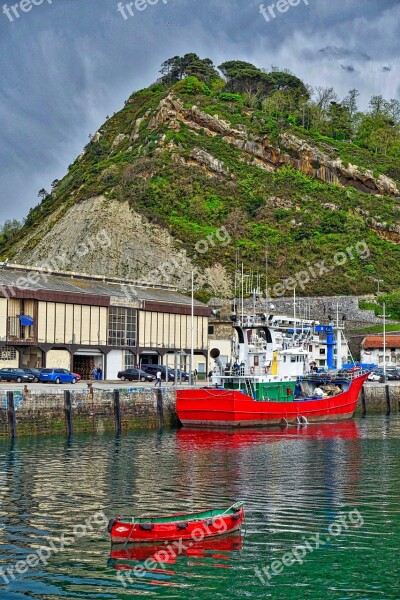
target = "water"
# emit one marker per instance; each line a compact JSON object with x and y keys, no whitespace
{"x":295,"y":484}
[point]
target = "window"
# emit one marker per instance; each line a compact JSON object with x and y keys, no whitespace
{"x":130,"y":360}
{"x":322,"y":350}
{"x":8,"y":353}
{"x":122,"y":326}
{"x":211,"y":330}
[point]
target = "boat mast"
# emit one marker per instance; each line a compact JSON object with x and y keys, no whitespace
{"x":384,"y":341}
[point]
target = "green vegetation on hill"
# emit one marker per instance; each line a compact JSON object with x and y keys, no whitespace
{"x":302,"y":220}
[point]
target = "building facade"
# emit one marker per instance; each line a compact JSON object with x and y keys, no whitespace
{"x":373,"y":352}
{"x":79,"y":322}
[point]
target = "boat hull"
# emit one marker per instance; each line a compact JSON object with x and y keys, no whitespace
{"x":122,"y":532}
{"x":231,"y":408}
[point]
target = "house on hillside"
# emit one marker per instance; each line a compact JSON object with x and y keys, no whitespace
{"x":372,"y":350}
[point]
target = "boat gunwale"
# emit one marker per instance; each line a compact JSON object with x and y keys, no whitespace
{"x":211,"y":513}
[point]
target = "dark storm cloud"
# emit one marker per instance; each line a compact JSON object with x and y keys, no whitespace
{"x":348,"y":68}
{"x":65,"y":65}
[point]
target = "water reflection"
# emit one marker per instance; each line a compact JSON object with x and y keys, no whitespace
{"x":294,"y":482}
{"x":153,"y":562}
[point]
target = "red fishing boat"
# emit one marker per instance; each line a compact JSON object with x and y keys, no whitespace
{"x":231,"y":408}
{"x":268,"y":382}
{"x":182,"y":526}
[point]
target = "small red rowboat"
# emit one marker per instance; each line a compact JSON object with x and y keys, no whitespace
{"x":183,"y":526}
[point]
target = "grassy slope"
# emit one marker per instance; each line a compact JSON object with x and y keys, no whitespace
{"x":192,"y":205}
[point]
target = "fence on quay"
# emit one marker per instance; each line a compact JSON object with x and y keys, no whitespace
{"x":32,"y":412}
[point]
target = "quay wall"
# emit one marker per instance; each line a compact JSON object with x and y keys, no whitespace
{"x":61,"y":412}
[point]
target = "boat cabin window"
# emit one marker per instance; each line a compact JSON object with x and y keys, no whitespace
{"x":256,"y":361}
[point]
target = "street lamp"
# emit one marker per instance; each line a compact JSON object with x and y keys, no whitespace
{"x":378,"y":281}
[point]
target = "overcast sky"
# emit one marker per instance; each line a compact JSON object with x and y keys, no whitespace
{"x":66,"y":64}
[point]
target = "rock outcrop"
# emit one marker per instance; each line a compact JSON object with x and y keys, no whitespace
{"x":291,"y":150}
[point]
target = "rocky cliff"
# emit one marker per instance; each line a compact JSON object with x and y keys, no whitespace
{"x":175,"y":182}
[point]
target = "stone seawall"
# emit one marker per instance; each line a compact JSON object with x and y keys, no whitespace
{"x":38,"y":413}
{"x":379,"y":399}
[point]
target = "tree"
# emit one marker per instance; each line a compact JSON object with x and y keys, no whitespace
{"x":42,"y":193}
{"x":54,"y":184}
{"x":324,"y":96}
{"x":11,"y":227}
{"x":284,"y":81}
{"x":393,"y":110}
{"x":243,"y":77}
{"x":351,"y":102}
{"x":383,"y":139}
{"x":377,"y":106}
{"x":339,"y":117}
{"x":191,"y":65}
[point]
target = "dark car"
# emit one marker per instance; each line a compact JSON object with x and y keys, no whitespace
{"x":181,"y":375}
{"x":396,"y":373}
{"x":392,"y":375}
{"x":135,"y":375}
{"x":154,"y":369}
{"x":34,"y":372}
{"x":17,"y":375}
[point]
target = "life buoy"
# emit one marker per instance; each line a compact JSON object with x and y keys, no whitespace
{"x":252,"y":370}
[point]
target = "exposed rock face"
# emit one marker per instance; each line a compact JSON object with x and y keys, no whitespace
{"x":118,"y":140}
{"x":291,"y":151}
{"x":122,"y":243}
{"x":385,"y":231}
{"x":204,"y":158}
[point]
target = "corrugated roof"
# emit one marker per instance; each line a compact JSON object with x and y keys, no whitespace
{"x":371,"y":342}
{"x":36,"y":280}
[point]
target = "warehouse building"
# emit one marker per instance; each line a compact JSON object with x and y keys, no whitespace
{"x":76,"y":321}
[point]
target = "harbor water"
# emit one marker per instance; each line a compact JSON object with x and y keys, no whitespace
{"x":322,"y":513}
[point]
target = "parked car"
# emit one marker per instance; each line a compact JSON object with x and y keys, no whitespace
{"x":78,"y":377}
{"x":182,"y":375}
{"x":375,"y":376}
{"x":34,"y":372}
{"x":135,"y":375}
{"x":394,"y":373}
{"x":391,"y":375}
{"x":154,"y":369}
{"x":57,"y":376}
{"x":18,"y":375}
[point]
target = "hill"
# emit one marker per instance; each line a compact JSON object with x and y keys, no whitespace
{"x":205,"y":171}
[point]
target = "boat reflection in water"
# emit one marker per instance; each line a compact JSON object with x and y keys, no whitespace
{"x":130,"y":560}
{"x":203,"y":438}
